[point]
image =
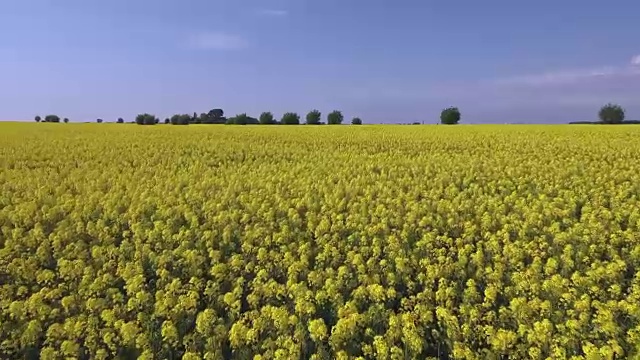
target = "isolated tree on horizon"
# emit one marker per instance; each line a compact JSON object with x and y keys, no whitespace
{"x":38,"y":118}
{"x":356,"y":121}
{"x":99,"y":121}
{"x":450,"y":116}
{"x":611,"y":114}
{"x":52,"y":118}
{"x":65,"y":120}
{"x":313,"y":117}
{"x":120,"y":121}
{"x":335,"y":118}
{"x":290,"y":118}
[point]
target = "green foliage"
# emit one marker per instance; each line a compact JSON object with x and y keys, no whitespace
{"x":216,"y":113}
{"x":611,"y":114}
{"x":180,"y":119}
{"x":290,"y":118}
{"x":214,"y":116}
{"x":145,"y":119}
{"x":356,"y":121}
{"x":167,"y":121}
{"x":38,"y":118}
{"x":52,"y":119}
{"x":266,"y":118}
{"x":240,"y":119}
{"x":335,"y":118}
{"x":313,"y":117}
{"x":65,"y":120}
{"x":450,"y":116}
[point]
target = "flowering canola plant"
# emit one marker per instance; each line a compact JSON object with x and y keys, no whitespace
{"x":330,"y":242}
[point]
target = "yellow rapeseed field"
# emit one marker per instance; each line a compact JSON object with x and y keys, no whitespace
{"x":325,"y":242}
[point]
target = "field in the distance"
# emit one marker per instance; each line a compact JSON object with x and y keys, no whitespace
{"x":385,"y":242}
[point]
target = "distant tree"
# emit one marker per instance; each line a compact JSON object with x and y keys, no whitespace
{"x":230,"y":121}
{"x":38,"y":118}
{"x":99,"y":121}
{"x":180,"y":119}
{"x":157,"y":120}
{"x":65,"y":120}
{"x":167,"y":121}
{"x":335,"y":118}
{"x":266,"y":118}
{"x":215,"y":116}
{"x":313,"y":117}
{"x":241,"y":119}
{"x":356,"y":121}
{"x":612,"y":114}
{"x":290,"y":118}
{"x":216,"y":113}
{"x":195,"y":119}
{"x":203,"y":118}
{"x":450,"y":116}
{"x":120,"y":121}
{"x":145,"y":119}
{"x":52,"y":118}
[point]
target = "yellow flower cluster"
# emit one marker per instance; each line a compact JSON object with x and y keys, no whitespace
{"x":329,"y":242}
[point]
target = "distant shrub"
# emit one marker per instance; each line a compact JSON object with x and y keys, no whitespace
{"x":240,"y":119}
{"x":356,"y":121}
{"x":180,"y":119}
{"x":120,"y":121}
{"x":145,"y":119}
{"x":65,"y":120}
{"x":38,"y":118}
{"x":52,"y":118}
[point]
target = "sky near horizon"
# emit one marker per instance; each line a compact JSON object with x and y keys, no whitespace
{"x":385,"y":61}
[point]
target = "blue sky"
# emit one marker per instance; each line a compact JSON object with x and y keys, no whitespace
{"x":385,"y":61}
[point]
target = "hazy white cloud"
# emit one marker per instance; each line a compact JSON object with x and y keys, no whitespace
{"x":561,"y":77}
{"x":217,"y":41}
{"x":572,"y":76}
{"x":273,"y":12}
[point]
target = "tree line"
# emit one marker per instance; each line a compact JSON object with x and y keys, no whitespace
{"x":608,"y":114}
{"x":216,"y":116}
